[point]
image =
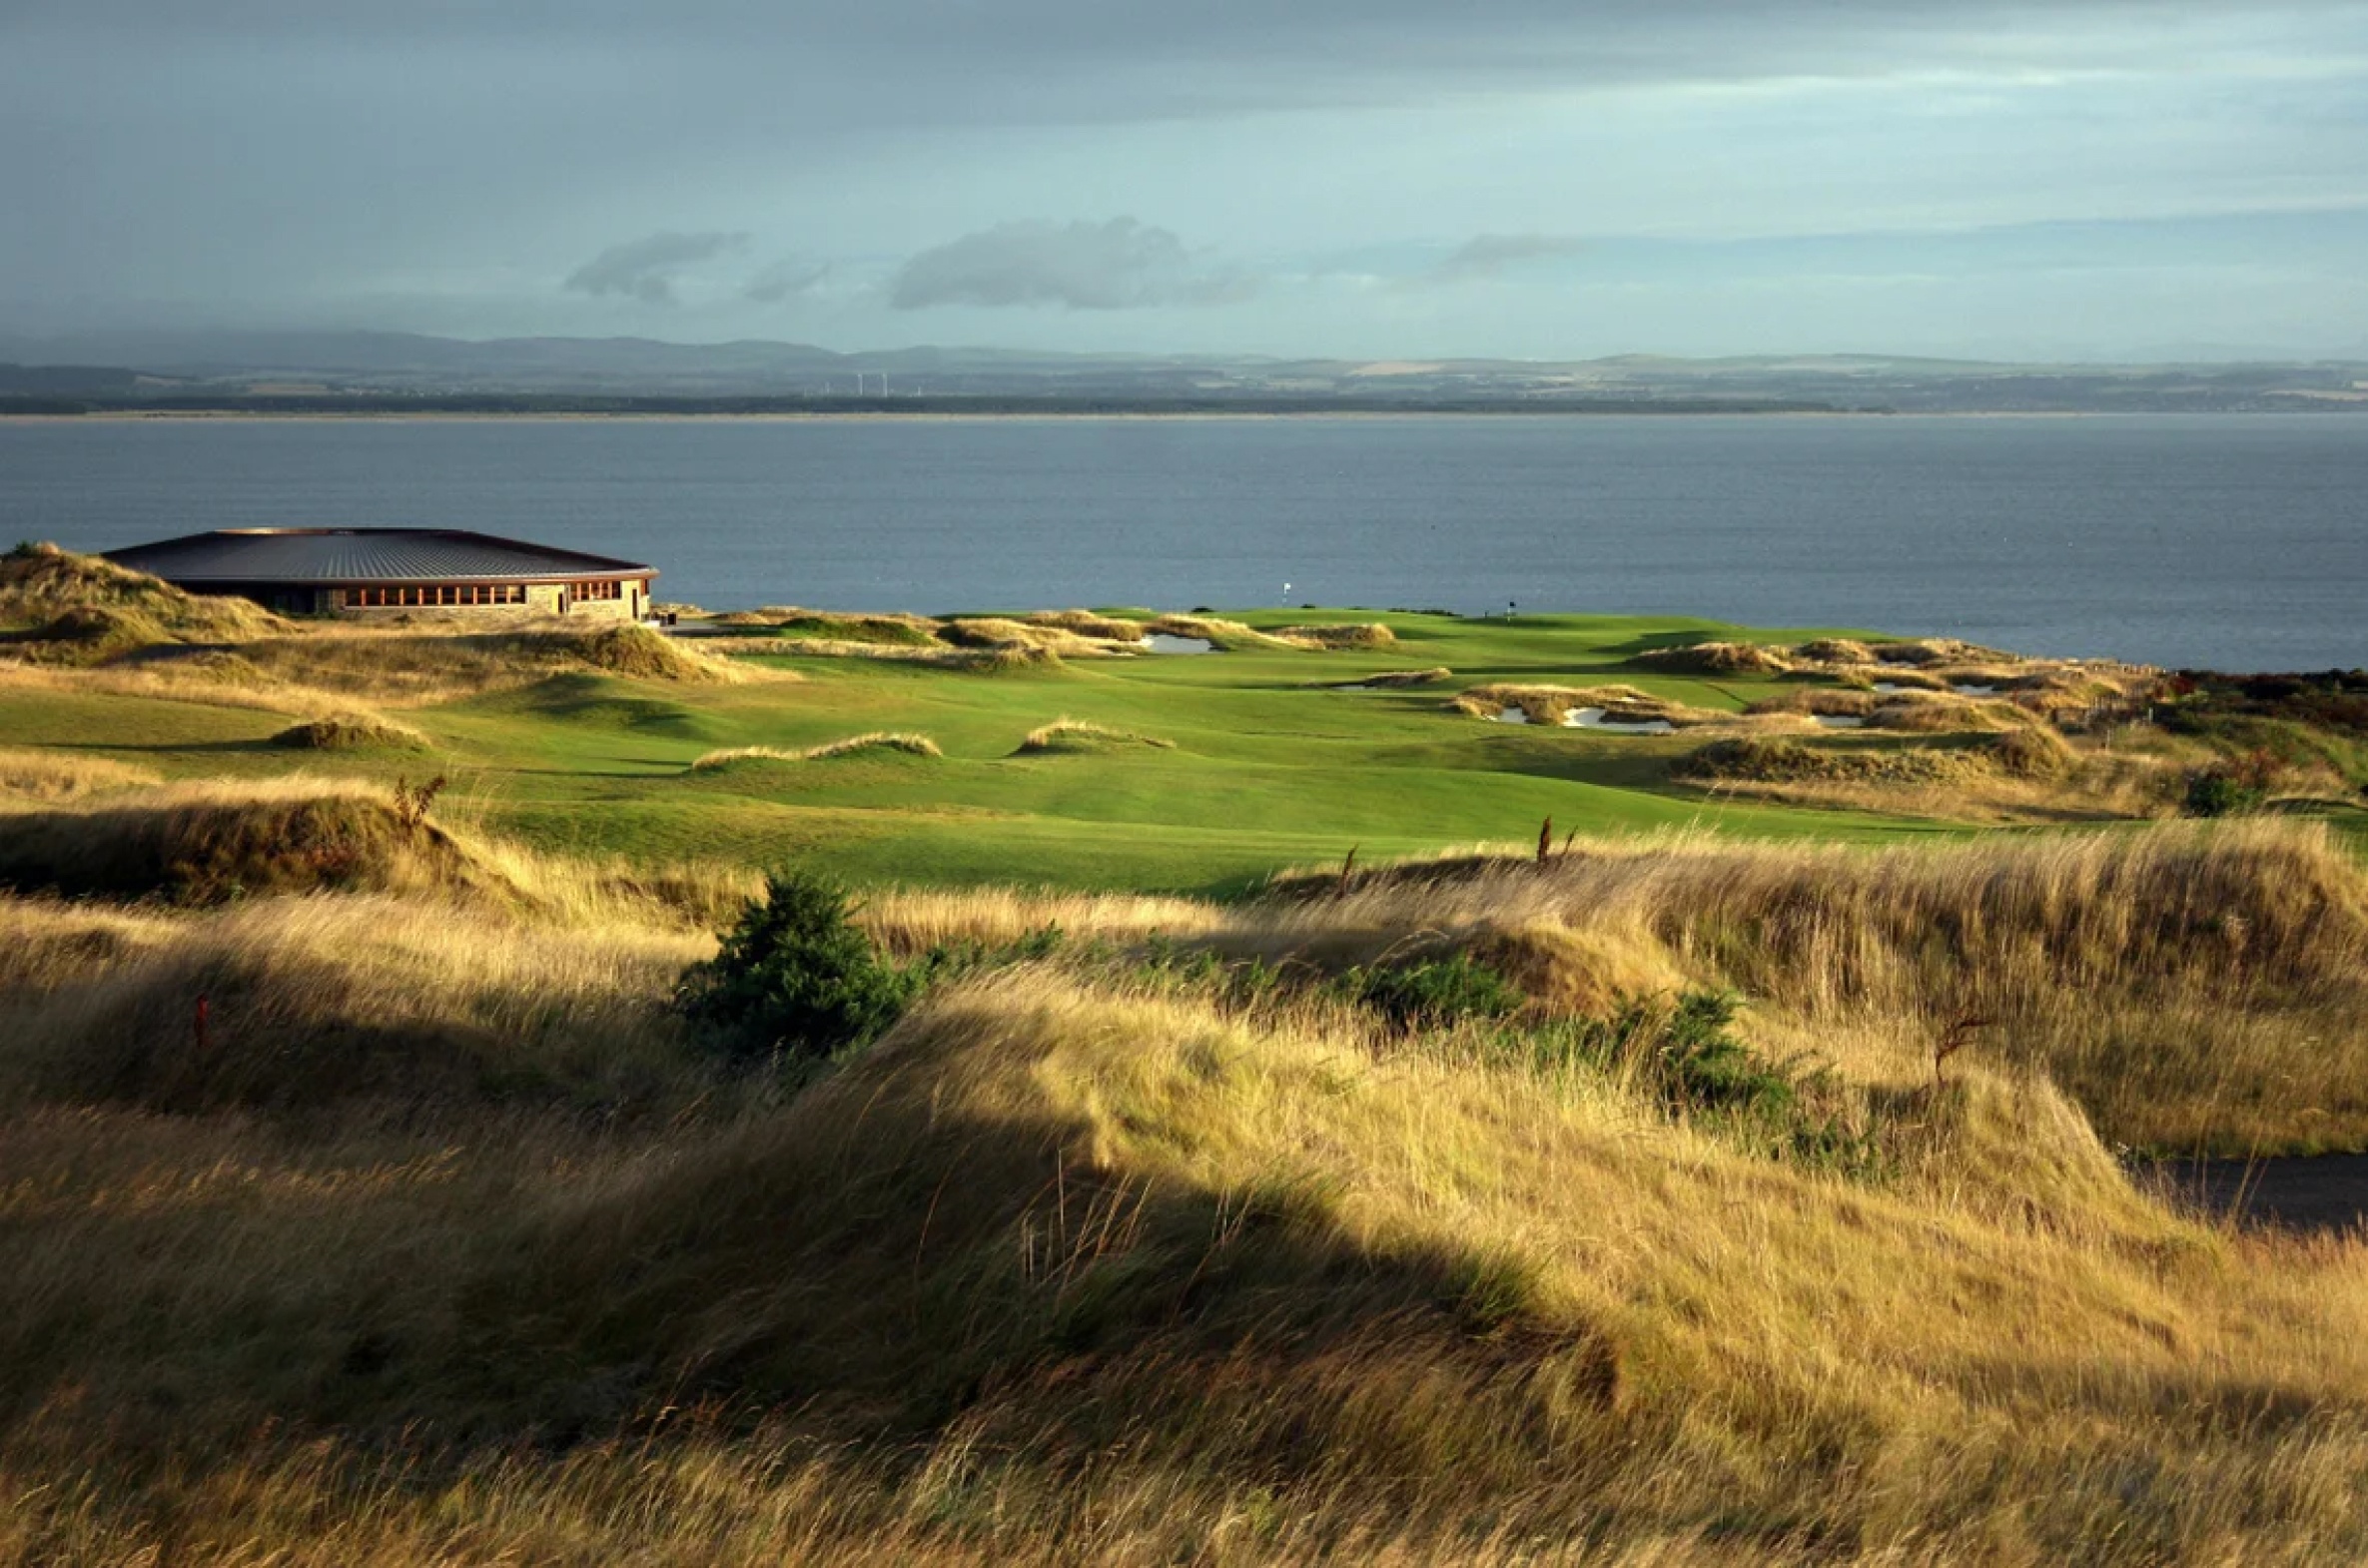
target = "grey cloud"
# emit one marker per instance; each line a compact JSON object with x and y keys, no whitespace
{"x":1487,"y":254}
{"x":1114,"y":266}
{"x":645,"y":268}
{"x":1036,"y":60}
{"x":782,"y":280}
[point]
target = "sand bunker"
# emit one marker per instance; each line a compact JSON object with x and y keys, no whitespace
{"x":1592,"y":719}
{"x":1164,"y":642}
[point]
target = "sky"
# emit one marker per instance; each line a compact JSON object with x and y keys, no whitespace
{"x":1529,"y":178}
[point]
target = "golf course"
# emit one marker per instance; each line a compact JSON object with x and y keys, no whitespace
{"x":1161,"y":1085}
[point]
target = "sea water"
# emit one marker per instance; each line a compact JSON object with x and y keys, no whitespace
{"x":2237,"y":541}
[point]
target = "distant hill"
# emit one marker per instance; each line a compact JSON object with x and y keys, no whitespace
{"x":67,"y":380}
{"x":373,"y":367}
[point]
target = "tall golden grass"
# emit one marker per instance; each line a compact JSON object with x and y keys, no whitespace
{"x":2194,"y":985}
{"x":1067,"y":1272}
{"x":33,"y":773}
{"x":447,"y":1244}
{"x":203,"y":841}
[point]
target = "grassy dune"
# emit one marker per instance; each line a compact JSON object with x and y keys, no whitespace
{"x":452,"y":1244}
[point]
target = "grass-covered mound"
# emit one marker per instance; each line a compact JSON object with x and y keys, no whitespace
{"x":1367,"y":635}
{"x":60,"y":607}
{"x":198,"y":843}
{"x":1086,"y":624}
{"x":351,"y":732}
{"x":999,"y":634}
{"x":1716,"y":658}
{"x":791,"y":621}
{"x":1080,"y":735}
{"x":874,"y":743}
{"x":2193,"y":988}
{"x":1756,"y":760}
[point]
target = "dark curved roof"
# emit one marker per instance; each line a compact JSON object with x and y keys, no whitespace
{"x":331,"y":556}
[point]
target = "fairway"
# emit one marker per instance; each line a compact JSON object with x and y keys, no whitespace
{"x":1226,"y":767}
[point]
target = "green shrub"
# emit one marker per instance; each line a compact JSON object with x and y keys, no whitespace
{"x":2211,"y":793}
{"x":796,"y":977}
{"x":1683,"y":1054}
{"x":2235,"y":786}
{"x":1435,"y":993}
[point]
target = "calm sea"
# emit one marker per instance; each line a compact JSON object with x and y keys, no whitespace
{"x":2237,"y":541}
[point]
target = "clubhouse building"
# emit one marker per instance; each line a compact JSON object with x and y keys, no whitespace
{"x":339,"y":572}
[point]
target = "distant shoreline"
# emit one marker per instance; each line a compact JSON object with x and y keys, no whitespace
{"x":899,"y":408}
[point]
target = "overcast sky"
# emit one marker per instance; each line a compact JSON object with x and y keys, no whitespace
{"x":1369,"y":178}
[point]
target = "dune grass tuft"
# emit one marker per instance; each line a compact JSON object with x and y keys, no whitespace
{"x":1716,"y":658}
{"x":1067,"y":734}
{"x":790,"y":621}
{"x":351,"y":732}
{"x":72,"y":609}
{"x":853,"y":746}
{"x":1369,"y":634}
{"x":1086,"y":624}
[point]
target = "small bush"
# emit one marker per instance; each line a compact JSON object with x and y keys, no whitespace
{"x":2213,"y":793}
{"x":2232,"y":788}
{"x":1683,"y":1054}
{"x":1435,"y":993}
{"x":796,"y":977}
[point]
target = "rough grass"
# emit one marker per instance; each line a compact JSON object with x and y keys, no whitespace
{"x":791,"y":621}
{"x":208,"y":842}
{"x":999,"y":635}
{"x":2025,"y":775}
{"x":1716,"y":658}
{"x":314,"y":1001}
{"x":71,"y":608}
{"x":1086,"y":624}
{"x":27,"y":773}
{"x":1223,"y":635}
{"x":203,"y":843}
{"x":2193,"y":989}
{"x":1077,"y":1267}
{"x":1937,"y":650}
{"x":1370,"y":635}
{"x":853,"y":746}
{"x":1745,"y":759}
{"x":988,"y":660}
{"x":1067,"y":734}
{"x":1387,"y":680}
{"x":1835,"y":650}
{"x":351,"y":732}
